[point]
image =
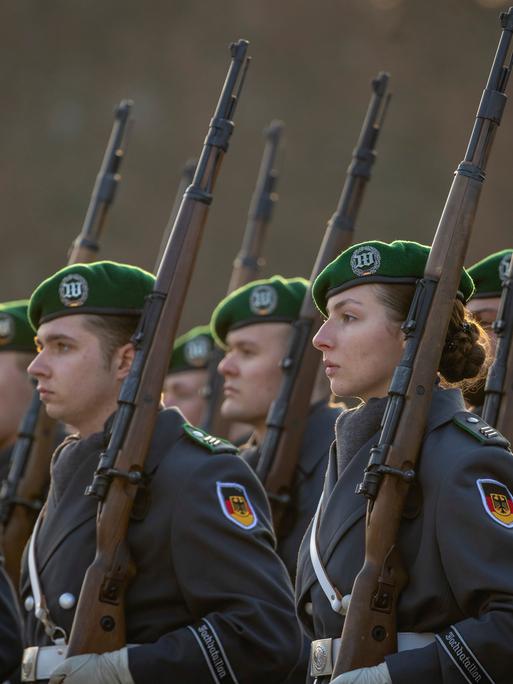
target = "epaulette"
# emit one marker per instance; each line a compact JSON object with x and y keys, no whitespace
{"x":479,"y":429}
{"x":214,"y":444}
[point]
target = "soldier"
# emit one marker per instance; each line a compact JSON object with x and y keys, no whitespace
{"x":210,"y":600}
{"x":186,"y":380}
{"x":455,"y":615}
{"x":488,"y":276}
{"x":253,"y":324}
{"x":16,"y":352}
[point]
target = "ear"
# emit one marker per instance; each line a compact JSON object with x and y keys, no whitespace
{"x":123,"y":360}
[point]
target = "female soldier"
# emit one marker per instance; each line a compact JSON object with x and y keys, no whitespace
{"x":455,"y":615}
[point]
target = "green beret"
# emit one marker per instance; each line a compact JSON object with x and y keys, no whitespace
{"x":272,"y":300}
{"x":103,"y":287}
{"x":192,"y":351}
{"x":376,"y":262}
{"x":489,"y":274}
{"x":16,"y":333}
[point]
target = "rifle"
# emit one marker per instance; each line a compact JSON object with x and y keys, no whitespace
{"x":185,"y":180}
{"x":85,"y":247}
{"x":288,"y":413}
{"x":22,"y":493}
{"x":369,"y":632}
{"x":498,"y":405}
{"x":99,"y":622}
{"x":246,"y":266}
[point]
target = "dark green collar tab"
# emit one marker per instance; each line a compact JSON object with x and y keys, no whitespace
{"x":476,"y":427}
{"x":216,"y":445}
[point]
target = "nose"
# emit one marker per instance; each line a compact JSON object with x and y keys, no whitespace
{"x":227,"y":366}
{"x":322,"y":339}
{"x":38,"y":368}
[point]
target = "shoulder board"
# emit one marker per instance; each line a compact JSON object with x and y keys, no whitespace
{"x":479,"y":429}
{"x":214,"y":444}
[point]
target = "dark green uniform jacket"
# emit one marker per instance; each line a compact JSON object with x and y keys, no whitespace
{"x":10,"y":629}
{"x":306,"y":491}
{"x":457,"y":549}
{"x":5,"y":462}
{"x":210,"y":601}
{"x":313,"y":460}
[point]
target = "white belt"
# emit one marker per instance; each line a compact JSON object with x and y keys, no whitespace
{"x":325,"y":652}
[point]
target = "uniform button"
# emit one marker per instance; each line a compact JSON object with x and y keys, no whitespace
{"x":29,"y":603}
{"x":472,"y":419}
{"x":308,"y":608}
{"x":345,"y":604}
{"x":67,"y":601}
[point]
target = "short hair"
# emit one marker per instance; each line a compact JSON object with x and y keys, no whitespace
{"x":112,"y":331}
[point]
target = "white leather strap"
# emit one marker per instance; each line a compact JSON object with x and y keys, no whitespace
{"x":56,"y":634}
{"x":332,"y":593}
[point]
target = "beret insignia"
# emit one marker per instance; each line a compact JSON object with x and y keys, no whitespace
{"x":365,"y":260}
{"x":7,"y":328}
{"x":73,"y":290}
{"x":504,"y":266}
{"x":196,"y":351}
{"x":263,"y":300}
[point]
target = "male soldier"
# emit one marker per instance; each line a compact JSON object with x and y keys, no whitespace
{"x":210,"y":600}
{"x":186,"y":379}
{"x":16,"y":352}
{"x":252,"y":378}
{"x":488,"y":275}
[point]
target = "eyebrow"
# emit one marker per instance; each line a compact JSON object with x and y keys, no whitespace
{"x":485,"y":309}
{"x":53,"y":338}
{"x":343,"y":302}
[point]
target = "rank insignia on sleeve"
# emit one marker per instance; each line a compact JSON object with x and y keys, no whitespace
{"x":497,"y":501}
{"x":235,"y":504}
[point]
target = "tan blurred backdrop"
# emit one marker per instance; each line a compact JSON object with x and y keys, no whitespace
{"x":66,"y":63}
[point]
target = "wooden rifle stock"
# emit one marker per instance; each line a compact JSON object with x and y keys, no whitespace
{"x":288,"y":414}
{"x":185,"y":180}
{"x":23,"y":493}
{"x":99,"y":622}
{"x":370,"y":629}
{"x":246,"y":266}
{"x":498,"y":403}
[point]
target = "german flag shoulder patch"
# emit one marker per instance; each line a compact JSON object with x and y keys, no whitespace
{"x":497,"y":501}
{"x":235,"y":505}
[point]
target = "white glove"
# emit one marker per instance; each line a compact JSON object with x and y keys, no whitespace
{"x":108,"y":668}
{"x":366,"y":675}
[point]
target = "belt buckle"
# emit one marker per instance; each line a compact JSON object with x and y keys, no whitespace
{"x":321,"y":663}
{"x":29,"y":664}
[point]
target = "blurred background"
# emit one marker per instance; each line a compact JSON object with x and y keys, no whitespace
{"x":67,"y":63}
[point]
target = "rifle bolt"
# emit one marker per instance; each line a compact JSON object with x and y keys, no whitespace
{"x":29,"y":603}
{"x":107,"y":623}
{"x":67,"y":601}
{"x":379,"y":633}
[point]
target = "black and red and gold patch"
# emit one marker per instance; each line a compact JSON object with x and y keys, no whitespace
{"x":235,"y":504}
{"x":497,"y":501}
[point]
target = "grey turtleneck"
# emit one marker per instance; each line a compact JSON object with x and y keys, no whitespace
{"x":355,"y":427}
